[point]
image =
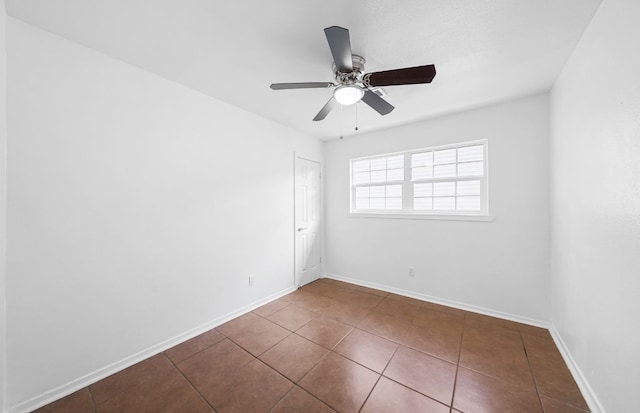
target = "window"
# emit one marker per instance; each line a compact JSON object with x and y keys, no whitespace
{"x":444,"y":180}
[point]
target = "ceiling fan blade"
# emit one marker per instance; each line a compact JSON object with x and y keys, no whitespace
{"x":328,"y":107}
{"x":406,"y":76}
{"x":303,"y":85}
{"x":377,"y":103}
{"x":340,"y":46}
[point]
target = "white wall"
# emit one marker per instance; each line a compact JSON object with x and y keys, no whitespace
{"x":3,"y":202}
{"x":500,"y":266}
{"x":137,"y":208}
{"x":595,"y":205}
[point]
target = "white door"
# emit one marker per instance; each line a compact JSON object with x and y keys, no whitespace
{"x":307,"y":220}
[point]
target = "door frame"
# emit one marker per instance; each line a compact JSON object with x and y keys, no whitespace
{"x":296,"y":280}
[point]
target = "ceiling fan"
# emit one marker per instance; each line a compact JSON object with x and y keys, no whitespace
{"x":352,"y":85}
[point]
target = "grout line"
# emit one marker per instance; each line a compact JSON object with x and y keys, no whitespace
{"x":533,"y":376}
{"x":191,"y":384}
{"x":93,"y":403}
{"x":370,"y":392}
{"x":455,"y":379}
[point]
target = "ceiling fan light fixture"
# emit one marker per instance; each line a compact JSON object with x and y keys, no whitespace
{"x":348,"y":94}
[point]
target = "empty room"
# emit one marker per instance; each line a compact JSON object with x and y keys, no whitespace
{"x":337,"y":206}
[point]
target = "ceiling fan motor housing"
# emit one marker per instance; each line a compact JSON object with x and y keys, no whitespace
{"x":353,"y":77}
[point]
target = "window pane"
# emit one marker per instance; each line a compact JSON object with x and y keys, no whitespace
{"x":361,"y":166}
{"x":395,"y":175}
{"x":468,"y":188}
{"x":444,"y":171}
{"x":423,"y":172}
{"x":362,"y":203}
{"x":444,"y":156}
{"x":444,"y":203}
{"x":376,"y":192}
{"x":444,"y":189}
{"x":378,"y":164}
{"x":377,"y":203}
{"x":421,"y":190}
{"x":394,"y":203}
{"x":394,"y":162}
{"x":361,"y":178}
{"x":378,"y":176}
{"x":468,"y":203}
{"x":394,"y":191}
{"x":422,"y":204}
{"x":471,"y":169}
{"x":422,"y":159}
{"x":471,"y":153}
{"x":362,"y":192}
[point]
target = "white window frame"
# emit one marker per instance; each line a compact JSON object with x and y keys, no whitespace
{"x":407,"y":210}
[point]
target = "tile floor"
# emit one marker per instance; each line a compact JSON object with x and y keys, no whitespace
{"x":332,"y":346}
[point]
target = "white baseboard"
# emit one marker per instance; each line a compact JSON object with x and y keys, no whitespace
{"x":587,"y":392}
{"x":442,"y":301}
{"x":84,"y":381}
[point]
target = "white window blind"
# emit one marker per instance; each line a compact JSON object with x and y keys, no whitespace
{"x":375,"y":183}
{"x":445,"y":180}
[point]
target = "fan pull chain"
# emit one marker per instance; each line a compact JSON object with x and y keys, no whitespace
{"x":356,"y":117}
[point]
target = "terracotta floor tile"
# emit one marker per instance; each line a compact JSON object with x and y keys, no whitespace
{"x":342,"y":284}
{"x":78,"y":402}
{"x":190,"y":347}
{"x":361,"y":299}
{"x":398,"y":308}
{"x":489,"y":323}
{"x":386,"y":326}
{"x":238,"y":324}
{"x":442,"y":308}
{"x":204,"y":368}
{"x":254,"y":387}
{"x":405,"y":299}
{"x":298,"y":400}
{"x":476,"y":392}
{"x":442,"y":343}
{"x":389,"y":396}
{"x":367,"y":349}
{"x":322,"y":288}
{"x":294,"y":297}
{"x":270,"y":308}
{"x":148,"y":370}
{"x":324,"y":331}
{"x":542,"y":349}
{"x":556,"y":382}
{"x":425,"y":374}
{"x":294,"y":356}
{"x":497,"y":353}
{"x":341,"y":383}
{"x":371,"y":291}
{"x":347,"y":313}
{"x":428,"y":318}
{"x":168,"y":393}
{"x":259,"y":336}
{"x":292,"y":317}
{"x":554,"y":406}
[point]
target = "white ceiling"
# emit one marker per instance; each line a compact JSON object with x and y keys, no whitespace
{"x":485,"y":51}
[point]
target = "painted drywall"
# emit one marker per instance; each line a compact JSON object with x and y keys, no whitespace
{"x":503,"y":265}
{"x":595,"y":205}
{"x":137,"y":208}
{"x":3,"y":202}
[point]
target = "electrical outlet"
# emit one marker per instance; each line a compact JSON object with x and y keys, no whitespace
{"x":412,"y":272}
{"x":252,"y":279}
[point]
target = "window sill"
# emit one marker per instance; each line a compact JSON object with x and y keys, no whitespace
{"x":441,"y":217}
